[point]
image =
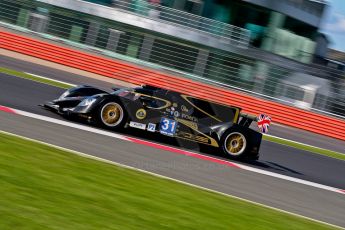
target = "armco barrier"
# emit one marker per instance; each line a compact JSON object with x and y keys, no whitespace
{"x":283,"y":114}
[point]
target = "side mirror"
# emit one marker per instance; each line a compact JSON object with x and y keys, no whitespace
{"x":115,"y":88}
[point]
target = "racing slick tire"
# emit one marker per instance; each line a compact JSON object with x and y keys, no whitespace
{"x":112,"y":115}
{"x":234,"y":143}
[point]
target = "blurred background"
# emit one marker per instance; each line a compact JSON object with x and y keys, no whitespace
{"x":290,"y":51}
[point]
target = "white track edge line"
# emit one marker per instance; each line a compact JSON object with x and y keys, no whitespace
{"x":122,"y":137}
{"x":70,"y":124}
{"x":50,"y":79}
{"x":166,"y":177}
{"x":266,"y":173}
{"x":300,"y":143}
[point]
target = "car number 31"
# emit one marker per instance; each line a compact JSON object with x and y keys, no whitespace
{"x":167,"y":126}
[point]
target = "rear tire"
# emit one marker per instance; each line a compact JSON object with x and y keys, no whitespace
{"x":112,"y":115}
{"x":234,"y":144}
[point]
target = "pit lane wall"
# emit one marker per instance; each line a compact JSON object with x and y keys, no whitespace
{"x":282,"y":114}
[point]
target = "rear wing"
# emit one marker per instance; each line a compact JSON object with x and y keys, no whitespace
{"x":263,"y":121}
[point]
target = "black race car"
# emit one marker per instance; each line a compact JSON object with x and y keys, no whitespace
{"x":166,"y":112}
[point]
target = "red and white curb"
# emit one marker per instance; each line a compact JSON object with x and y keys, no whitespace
{"x":170,"y":149}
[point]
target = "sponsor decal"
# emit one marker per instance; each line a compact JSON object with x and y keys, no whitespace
{"x":140,"y":114}
{"x":173,"y":112}
{"x":188,"y":117}
{"x":137,"y":125}
{"x":197,"y":138}
{"x":184,"y":109}
{"x":151,"y":127}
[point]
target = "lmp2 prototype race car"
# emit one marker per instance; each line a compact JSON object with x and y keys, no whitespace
{"x":169,"y":113}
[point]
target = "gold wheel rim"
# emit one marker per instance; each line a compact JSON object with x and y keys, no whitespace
{"x":235,"y":144}
{"x":112,"y":114}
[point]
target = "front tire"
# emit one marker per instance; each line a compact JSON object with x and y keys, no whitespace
{"x":234,"y":144}
{"x":112,"y":115}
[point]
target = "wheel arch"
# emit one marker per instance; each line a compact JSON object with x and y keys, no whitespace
{"x":98,"y":112}
{"x":253,"y":139}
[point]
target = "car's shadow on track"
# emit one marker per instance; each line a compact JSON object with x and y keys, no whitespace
{"x":271,"y":166}
{"x":206,"y":150}
{"x":194,"y":147}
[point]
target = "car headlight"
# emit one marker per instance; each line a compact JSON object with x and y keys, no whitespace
{"x":64,"y":94}
{"x":87,"y":101}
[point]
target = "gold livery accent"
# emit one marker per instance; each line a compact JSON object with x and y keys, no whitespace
{"x":167,"y":103}
{"x":201,"y":110}
{"x":193,"y":137}
{"x":141,"y":114}
{"x":236,"y":117}
{"x":190,"y":124}
{"x":199,"y":137}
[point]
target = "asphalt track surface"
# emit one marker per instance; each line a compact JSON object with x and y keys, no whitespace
{"x":280,"y":131}
{"x":301,"y":199}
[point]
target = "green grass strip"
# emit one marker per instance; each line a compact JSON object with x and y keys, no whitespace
{"x":304,"y":147}
{"x":34,"y":78}
{"x":43,"y":187}
{"x":301,"y":146}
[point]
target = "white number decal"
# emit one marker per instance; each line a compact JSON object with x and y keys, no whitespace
{"x":173,"y":126}
{"x":165,"y":125}
{"x":168,"y":127}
